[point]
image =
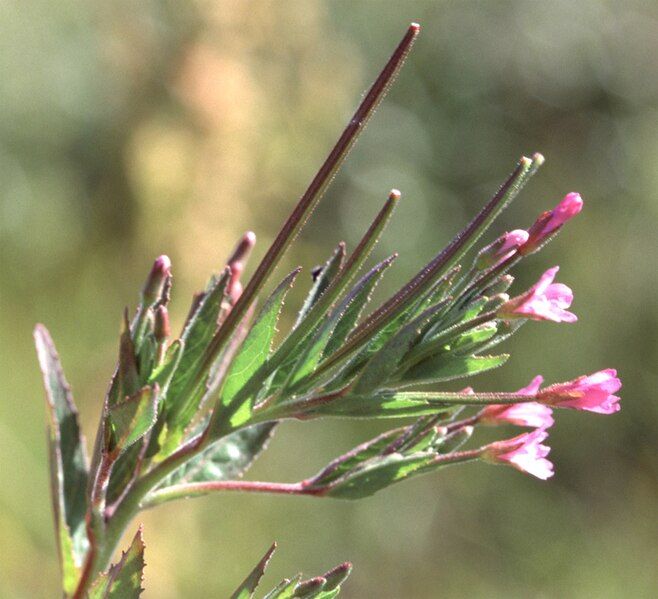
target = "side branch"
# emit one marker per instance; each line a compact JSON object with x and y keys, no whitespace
{"x":198,"y":489}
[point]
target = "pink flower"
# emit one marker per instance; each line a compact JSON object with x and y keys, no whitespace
{"x":594,"y":393}
{"x":550,"y":221}
{"x":501,"y":249}
{"x":545,"y":300}
{"x":529,"y":413}
{"x":525,"y":453}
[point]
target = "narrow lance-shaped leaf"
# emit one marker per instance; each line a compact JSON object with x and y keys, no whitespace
{"x":282,"y":364}
{"x":249,"y":585}
{"x":444,"y":367}
{"x":360,"y":294}
{"x":446,"y":259}
{"x":385,"y":362}
{"x":289,"y":349}
{"x":68,"y":460}
{"x":184,"y":396}
{"x":226,"y":459}
{"x":257,"y":345}
{"x":314,"y":192}
{"x":323,"y":279}
{"x":134,"y":417}
{"x":356,"y":456}
{"x":384,"y":472}
{"x":384,"y":404}
{"x":124,"y":579}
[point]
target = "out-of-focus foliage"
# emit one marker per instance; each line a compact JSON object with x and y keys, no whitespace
{"x":134,"y":128}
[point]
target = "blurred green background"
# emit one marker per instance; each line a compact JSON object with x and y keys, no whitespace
{"x":137,"y":127}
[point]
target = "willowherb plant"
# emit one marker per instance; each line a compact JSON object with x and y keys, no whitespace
{"x":187,"y":417}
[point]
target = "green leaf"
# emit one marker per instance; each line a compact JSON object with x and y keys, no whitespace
{"x":124,"y":579}
{"x":355,"y":457}
{"x":248,"y":587}
{"x":446,"y":367}
{"x":163,"y":374}
{"x":385,"y":404}
{"x":285,"y":589}
{"x":181,"y":402}
{"x":227,"y":459}
{"x":379,"y":474}
{"x":385,"y":362}
{"x":134,"y":417}
{"x":323,"y":279}
{"x":257,"y":345}
{"x":359,"y":295}
{"x":68,"y":460}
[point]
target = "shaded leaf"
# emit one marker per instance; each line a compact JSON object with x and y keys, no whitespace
{"x":134,"y":417}
{"x":68,"y":459}
{"x":360,"y":294}
{"x":124,"y":579}
{"x":322,"y":280}
{"x":354,"y":457}
{"x":379,"y":474}
{"x":385,"y":362}
{"x":227,"y":459}
{"x":248,"y":587}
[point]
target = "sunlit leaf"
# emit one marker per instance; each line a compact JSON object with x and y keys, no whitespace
{"x":448,"y":367}
{"x":248,"y":587}
{"x":124,"y":579}
{"x":68,"y":460}
{"x":257,"y":345}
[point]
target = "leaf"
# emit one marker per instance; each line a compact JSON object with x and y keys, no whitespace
{"x":257,"y":345}
{"x":285,"y":589}
{"x":248,"y":587}
{"x":385,"y":404}
{"x":127,"y":379}
{"x":124,"y":579}
{"x":360,"y":294}
{"x":227,"y":459}
{"x":326,"y":586}
{"x":180,"y":403}
{"x":354,"y":457}
{"x":323,"y":279}
{"x":134,"y":417}
{"x":445,"y":368}
{"x":68,"y":460}
{"x":163,"y":374}
{"x":385,"y":362}
{"x":379,"y":474}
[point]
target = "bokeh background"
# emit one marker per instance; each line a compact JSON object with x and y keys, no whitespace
{"x":132,"y":128}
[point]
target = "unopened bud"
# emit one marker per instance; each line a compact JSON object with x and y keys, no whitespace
{"x":551,"y":221}
{"x":161,"y":327}
{"x":156,"y":280}
{"x":500,"y":286}
{"x":495,"y":302}
{"x":499,"y":250}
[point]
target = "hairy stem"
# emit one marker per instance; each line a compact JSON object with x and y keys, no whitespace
{"x":198,"y":489}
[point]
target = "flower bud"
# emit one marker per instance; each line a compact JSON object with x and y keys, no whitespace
{"x":499,"y":286}
{"x":161,"y":327}
{"x":550,"y":221}
{"x":501,"y":249}
{"x":156,"y":280}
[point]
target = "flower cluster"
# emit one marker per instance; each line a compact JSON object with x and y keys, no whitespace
{"x":546,"y":301}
